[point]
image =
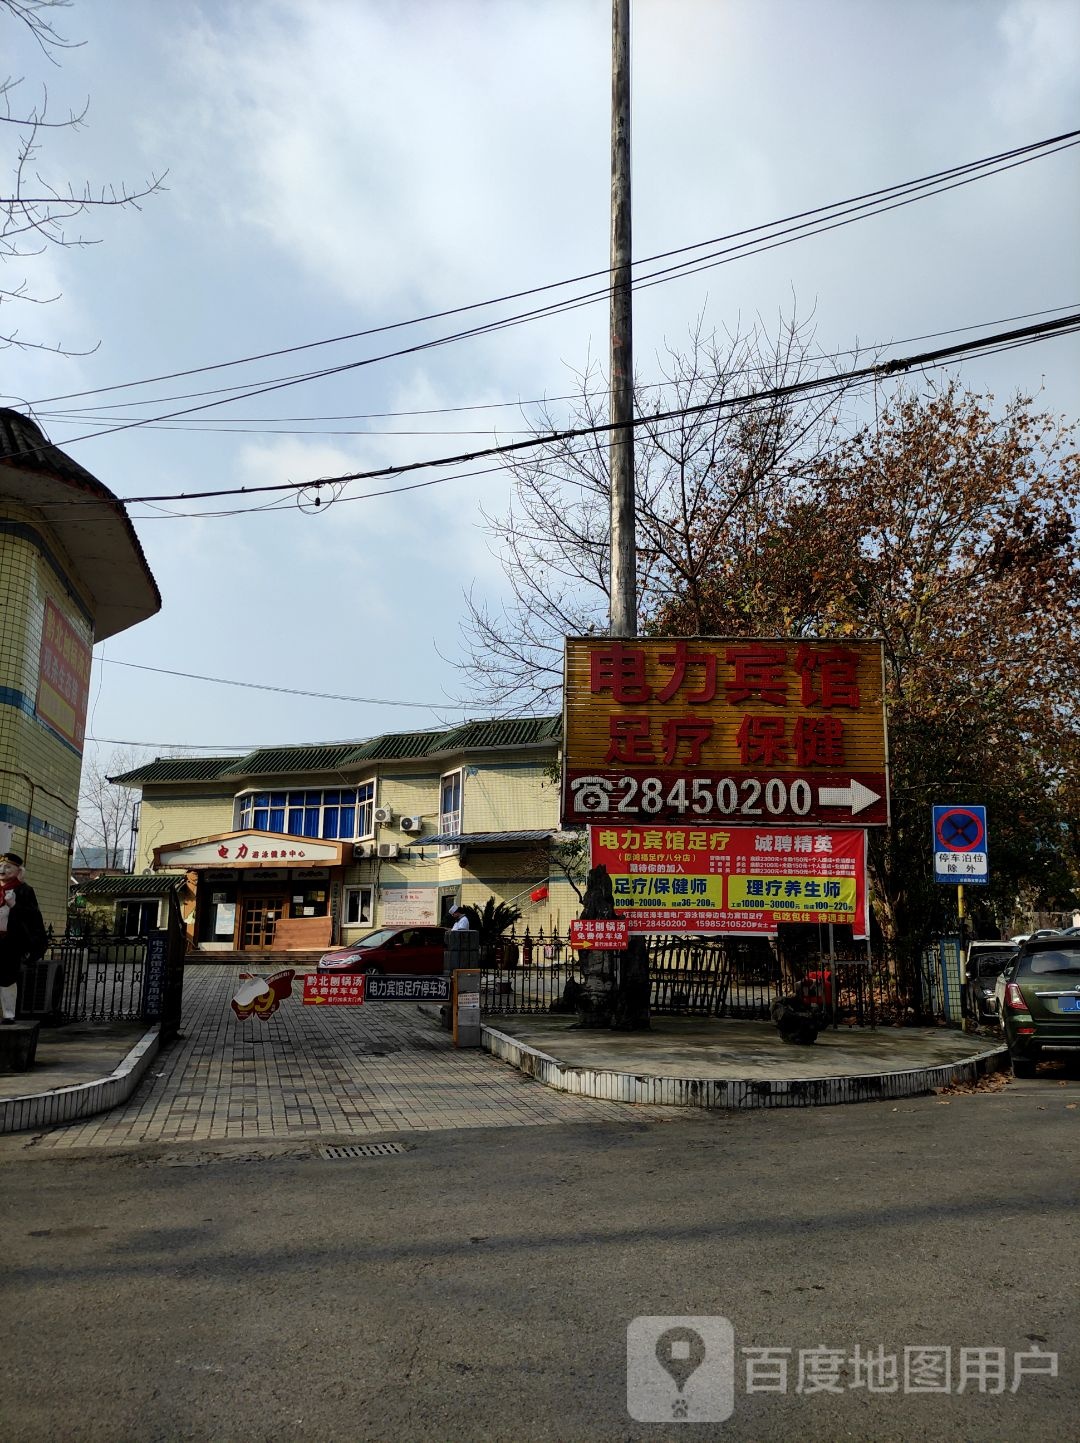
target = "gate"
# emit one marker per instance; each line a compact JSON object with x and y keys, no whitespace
{"x":110,"y":979}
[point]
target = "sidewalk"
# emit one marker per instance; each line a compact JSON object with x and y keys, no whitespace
{"x":716,"y":1062}
{"x":80,"y":1069}
{"x":364,"y":1069}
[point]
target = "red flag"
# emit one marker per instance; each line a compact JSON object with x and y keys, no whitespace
{"x":538,"y":893}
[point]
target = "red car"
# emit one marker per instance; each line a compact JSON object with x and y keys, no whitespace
{"x":390,"y":950}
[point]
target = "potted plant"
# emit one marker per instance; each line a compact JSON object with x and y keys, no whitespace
{"x":491,"y":921}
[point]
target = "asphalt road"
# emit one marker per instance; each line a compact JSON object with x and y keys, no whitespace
{"x":479,"y":1285}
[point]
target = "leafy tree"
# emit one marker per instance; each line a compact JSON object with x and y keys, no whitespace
{"x":948,"y":528}
{"x":36,"y":213}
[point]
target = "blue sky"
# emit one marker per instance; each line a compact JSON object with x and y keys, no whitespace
{"x":346,"y":164}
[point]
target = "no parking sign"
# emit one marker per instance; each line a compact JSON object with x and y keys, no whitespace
{"x":961,"y":854}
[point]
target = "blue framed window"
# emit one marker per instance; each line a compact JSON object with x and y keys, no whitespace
{"x":338,"y":814}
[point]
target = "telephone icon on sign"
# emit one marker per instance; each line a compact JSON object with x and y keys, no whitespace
{"x":591,"y":793}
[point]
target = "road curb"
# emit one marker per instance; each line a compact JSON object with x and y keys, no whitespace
{"x":68,"y":1104}
{"x":730,"y":1093}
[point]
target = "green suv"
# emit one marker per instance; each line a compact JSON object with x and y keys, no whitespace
{"x":1041,"y":1009}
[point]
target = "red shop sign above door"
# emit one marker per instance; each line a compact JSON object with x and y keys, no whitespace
{"x":712,"y":729}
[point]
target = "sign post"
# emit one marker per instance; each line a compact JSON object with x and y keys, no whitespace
{"x":467,"y":1031}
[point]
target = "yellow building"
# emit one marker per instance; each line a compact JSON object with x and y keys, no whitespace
{"x":295,"y":848}
{"x":72,"y":573}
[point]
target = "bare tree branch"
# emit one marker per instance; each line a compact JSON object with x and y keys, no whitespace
{"x":697,"y":477}
{"x":36,"y":213}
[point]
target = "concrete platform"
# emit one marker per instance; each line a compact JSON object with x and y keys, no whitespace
{"x":727,"y":1063}
{"x":79,"y":1070}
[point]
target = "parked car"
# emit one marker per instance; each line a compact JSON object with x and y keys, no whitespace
{"x":390,"y":949}
{"x":1041,"y":1010}
{"x":985,"y":963}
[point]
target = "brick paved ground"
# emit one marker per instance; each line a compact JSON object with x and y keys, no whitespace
{"x":309,"y":1070}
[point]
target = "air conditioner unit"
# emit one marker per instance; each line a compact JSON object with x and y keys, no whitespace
{"x":363,"y":849}
{"x":388,"y":849}
{"x":411,"y":824}
{"x":384,"y":815}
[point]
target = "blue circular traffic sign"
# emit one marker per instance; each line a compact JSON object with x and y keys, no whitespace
{"x":959,"y":829}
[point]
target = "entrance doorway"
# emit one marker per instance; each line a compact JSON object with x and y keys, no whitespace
{"x":258,"y":920}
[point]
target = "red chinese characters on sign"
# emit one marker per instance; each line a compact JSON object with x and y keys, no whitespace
{"x":589,"y":933}
{"x":771,"y":729}
{"x":63,"y":677}
{"x":743,"y":880}
{"x":323,"y":989}
{"x":829,"y":676}
{"x":229,"y":851}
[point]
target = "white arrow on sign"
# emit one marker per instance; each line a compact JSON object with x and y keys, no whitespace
{"x":855,"y":796}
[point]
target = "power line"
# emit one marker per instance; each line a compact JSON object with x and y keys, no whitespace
{"x":233,"y":424}
{"x":285,"y":690}
{"x":1025,"y":335}
{"x":929,"y":185}
{"x":838,"y":382}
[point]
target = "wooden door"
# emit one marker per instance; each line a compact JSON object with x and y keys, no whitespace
{"x":258,"y":920}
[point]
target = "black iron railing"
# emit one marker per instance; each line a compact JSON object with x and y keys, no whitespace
{"x":109,"y":979}
{"x":698,"y":976}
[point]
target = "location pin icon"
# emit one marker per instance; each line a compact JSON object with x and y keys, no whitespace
{"x":680,"y":1352}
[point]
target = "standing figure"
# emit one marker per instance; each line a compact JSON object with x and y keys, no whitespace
{"x":22,"y":932}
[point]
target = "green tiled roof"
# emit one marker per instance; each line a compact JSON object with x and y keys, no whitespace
{"x":512,"y":732}
{"x":336,"y":756}
{"x":141,"y":884}
{"x":273,"y":760}
{"x":178,"y":769}
{"x":398,"y":746}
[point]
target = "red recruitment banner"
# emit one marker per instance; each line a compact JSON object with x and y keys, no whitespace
{"x":341,"y":990}
{"x":63,"y":677}
{"x":742,"y":880}
{"x":588,"y":933}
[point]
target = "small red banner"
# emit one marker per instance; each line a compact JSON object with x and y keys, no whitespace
{"x":587,"y":934}
{"x":339,"y":989}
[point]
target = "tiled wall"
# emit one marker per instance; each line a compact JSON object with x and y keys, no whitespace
{"x":39,"y":771}
{"x":172,"y":817}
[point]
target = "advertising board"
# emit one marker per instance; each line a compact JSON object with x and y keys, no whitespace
{"x":714,"y":730}
{"x":736,"y":880}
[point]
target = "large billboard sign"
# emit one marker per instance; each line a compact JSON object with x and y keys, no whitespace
{"x":63,"y":677}
{"x":733,"y":879}
{"x":714,"y":730}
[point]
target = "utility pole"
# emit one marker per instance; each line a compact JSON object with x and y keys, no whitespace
{"x":623,"y":580}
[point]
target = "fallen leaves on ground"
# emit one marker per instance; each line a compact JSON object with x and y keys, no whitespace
{"x":989,"y":1082}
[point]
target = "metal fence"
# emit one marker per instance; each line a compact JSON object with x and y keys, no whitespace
{"x":103,"y":981}
{"x":108,"y":979}
{"x":704,"y":977}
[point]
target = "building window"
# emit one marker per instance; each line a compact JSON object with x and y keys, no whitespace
{"x":449,"y":808}
{"x":136,"y":918}
{"x":341,"y":813}
{"x":358,"y":905}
